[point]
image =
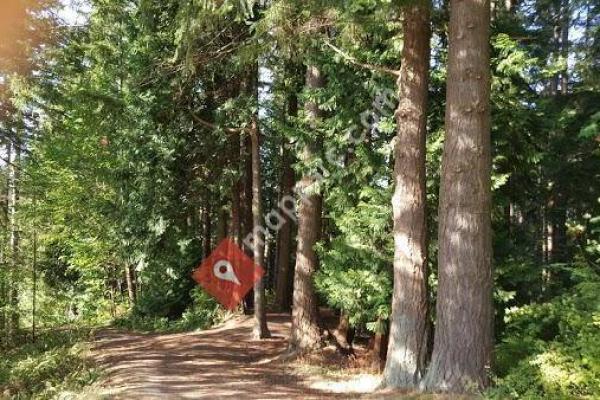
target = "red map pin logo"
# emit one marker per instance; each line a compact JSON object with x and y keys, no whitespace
{"x":228,"y":274}
{"x":224,"y":270}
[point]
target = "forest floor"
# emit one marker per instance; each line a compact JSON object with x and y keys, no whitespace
{"x":220,"y":363}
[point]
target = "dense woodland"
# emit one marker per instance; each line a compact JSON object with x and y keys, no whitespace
{"x":443,"y":161}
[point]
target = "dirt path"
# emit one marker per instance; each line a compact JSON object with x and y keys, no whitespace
{"x":221,"y":363}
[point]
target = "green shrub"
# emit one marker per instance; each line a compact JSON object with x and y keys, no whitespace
{"x":356,"y":263}
{"x":202,"y":313}
{"x":552,"y":350}
{"x":354,"y":281}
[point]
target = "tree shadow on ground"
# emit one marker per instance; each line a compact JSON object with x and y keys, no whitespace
{"x":222,"y":363}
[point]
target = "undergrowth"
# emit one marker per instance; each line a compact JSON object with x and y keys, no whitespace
{"x":203,"y":313}
{"x":55,"y":363}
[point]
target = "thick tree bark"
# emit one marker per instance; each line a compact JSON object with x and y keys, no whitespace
{"x":409,"y":319}
{"x":305,"y":333}
{"x":260,"y":330}
{"x":284,"y":248}
{"x":463,"y":338}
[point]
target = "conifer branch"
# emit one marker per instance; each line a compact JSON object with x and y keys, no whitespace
{"x":354,"y":61}
{"x":213,"y":126}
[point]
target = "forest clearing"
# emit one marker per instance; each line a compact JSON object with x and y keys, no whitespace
{"x":267,"y":199}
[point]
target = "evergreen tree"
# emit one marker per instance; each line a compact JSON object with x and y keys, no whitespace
{"x":462,"y":349}
{"x":409,"y":325}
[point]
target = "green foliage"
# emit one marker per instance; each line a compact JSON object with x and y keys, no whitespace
{"x":203,"y":312}
{"x":552,"y":350}
{"x":349,"y":281}
{"x":355,"y":270}
{"x":55,"y":363}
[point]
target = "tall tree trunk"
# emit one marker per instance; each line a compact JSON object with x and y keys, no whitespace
{"x":462,"y":349}
{"x":305,"y":333}
{"x":269,"y":265}
{"x":207,"y":227}
{"x":282,"y":287}
{"x":235,"y":214}
{"x":4,"y":282}
{"x":13,"y":199}
{"x":130,"y":278}
{"x":555,"y":211}
{"x":409,"y":319}
{"x":555,"y":54}
{"x":236,"y":226}
{"x":261,"y":329}
{"x":111,"y":283}
{"x":284,"y":248}
{"x":34,"y":281}
{"x":222,"y":224}
{"x":246,"y":154}
{"x":564,"y":44}
{"x":246,"y":208}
